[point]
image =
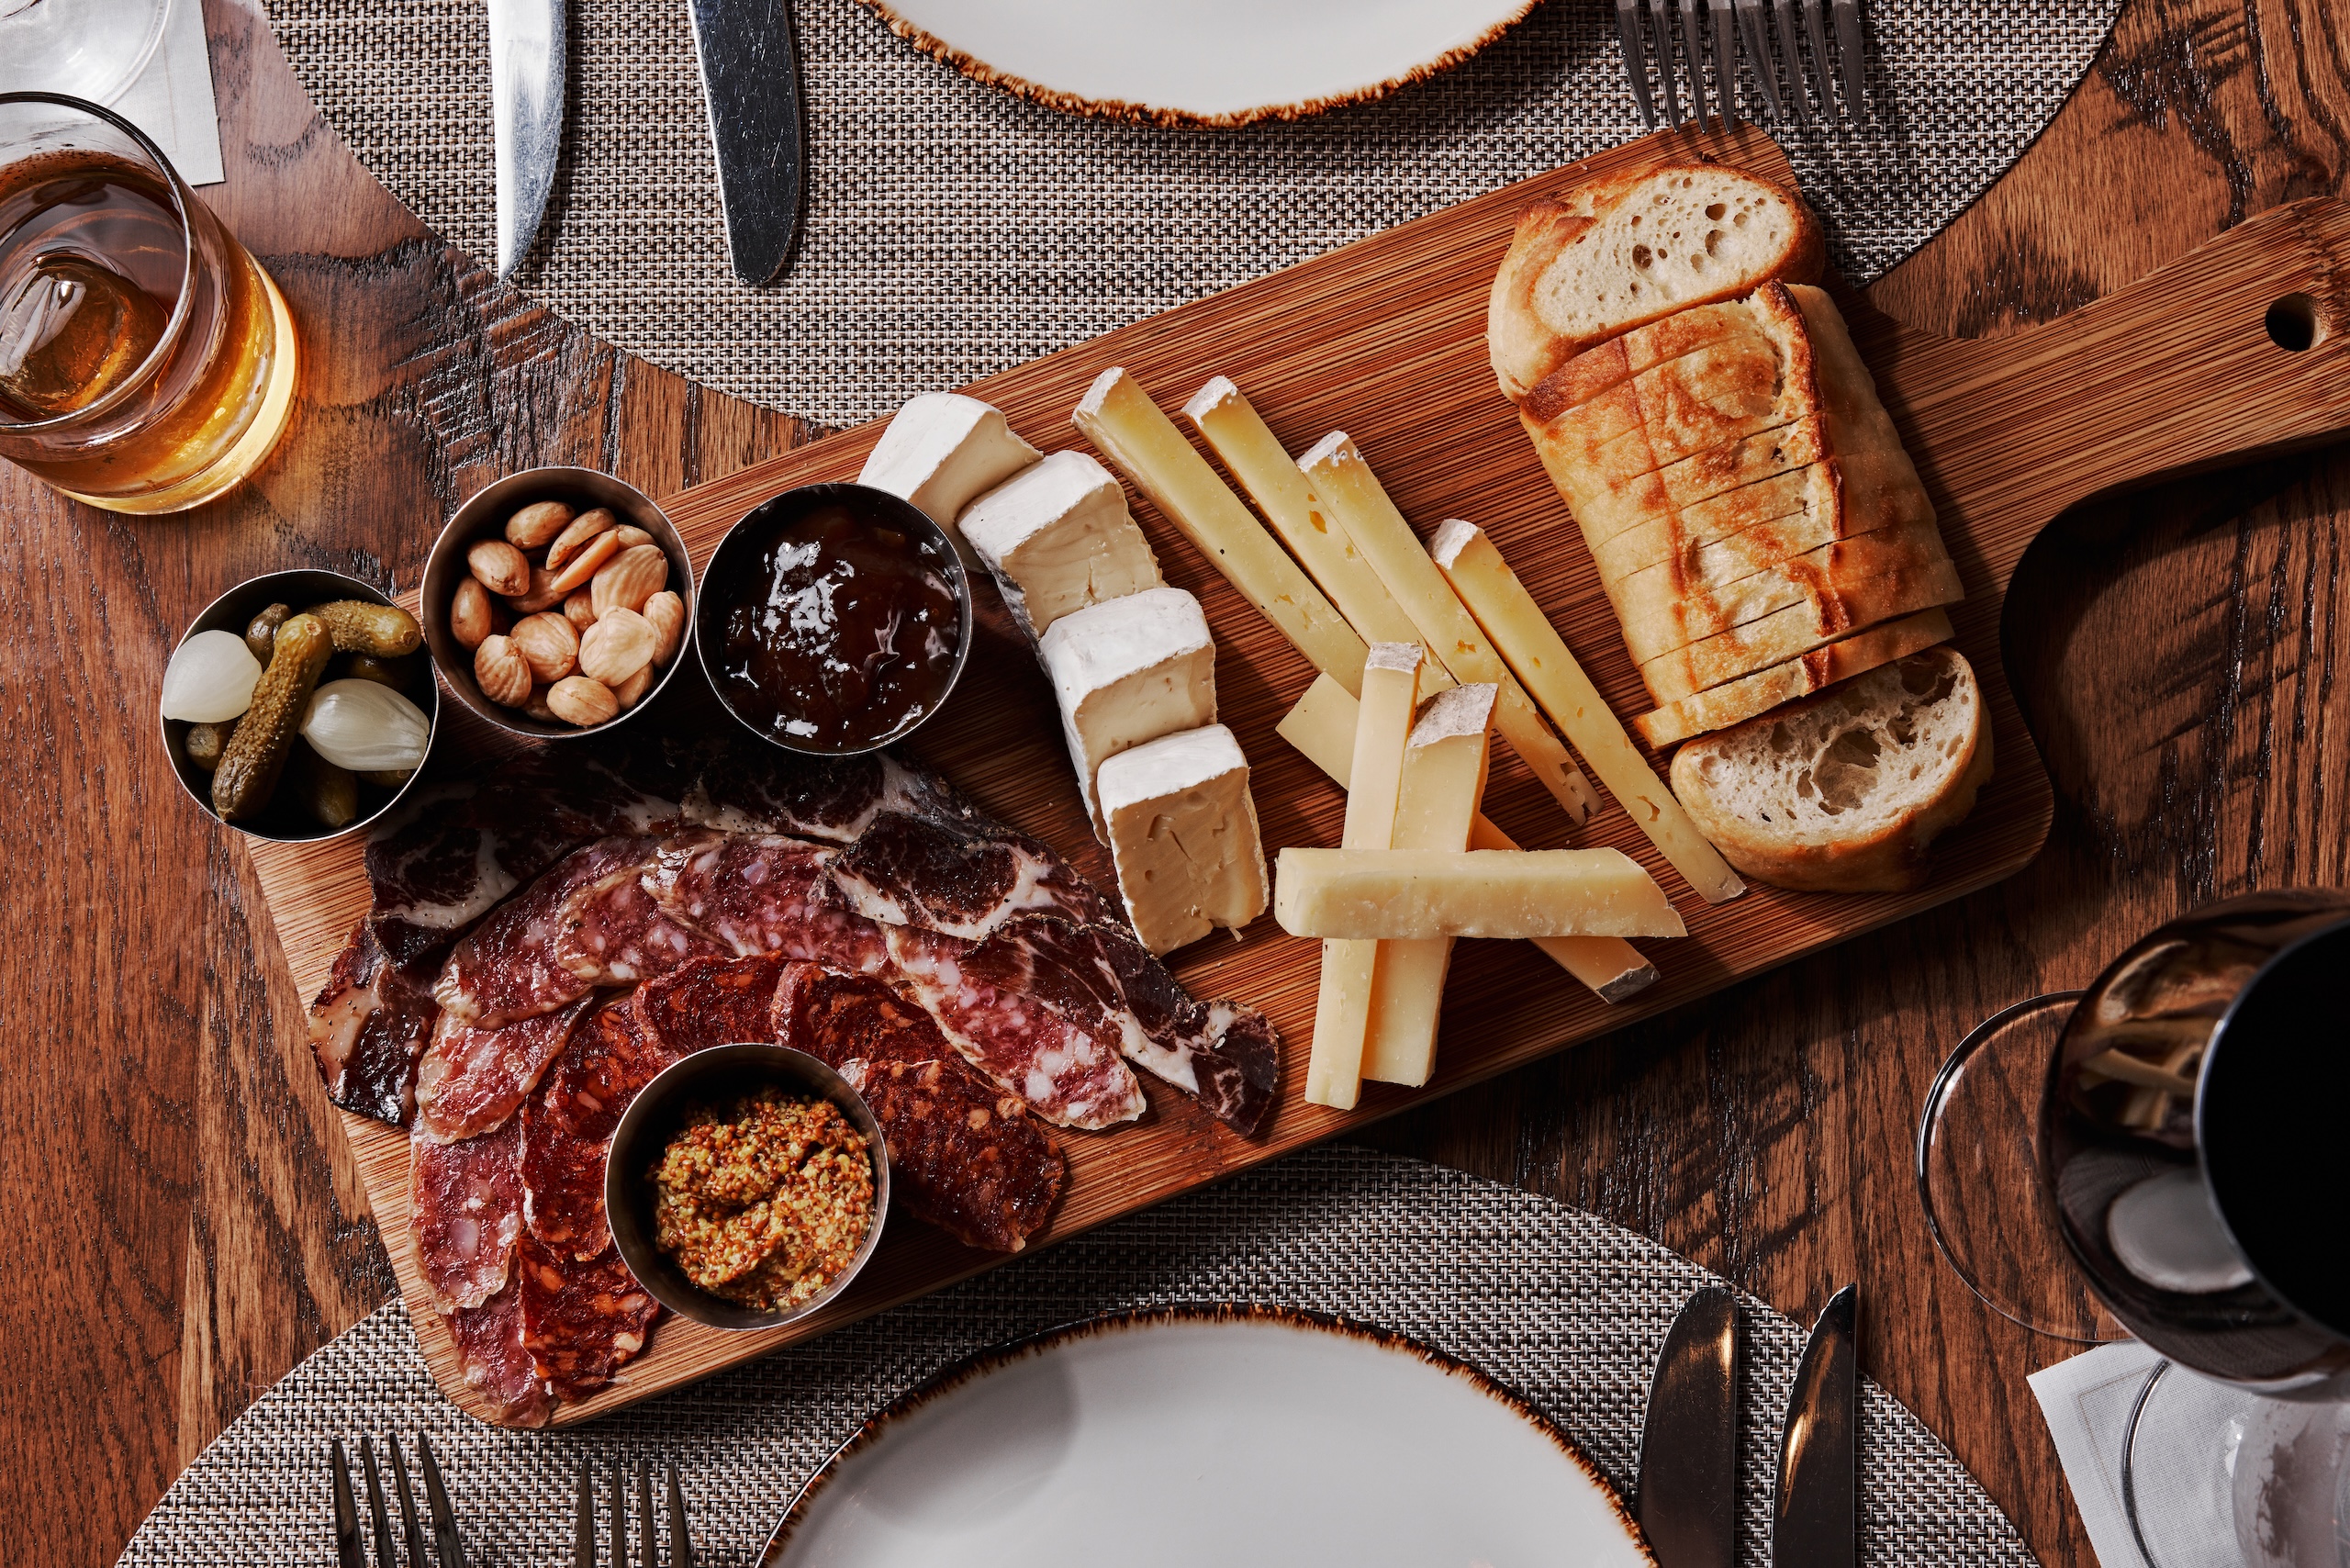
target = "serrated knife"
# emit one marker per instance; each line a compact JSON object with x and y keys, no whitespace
{"x":528,"y":51}
{"x":750,"y":80}
{"x":1815,"y":1513}
{"x":1689,"y":1483}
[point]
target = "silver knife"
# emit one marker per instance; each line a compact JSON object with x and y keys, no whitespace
{"x":528,"y":47}
{"x":1688,"y":1496}
{"x":1814,"y":1512}
{"x":750,"y":80}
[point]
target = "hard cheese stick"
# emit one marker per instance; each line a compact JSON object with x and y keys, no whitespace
{"x":1391,"y":684}
{"x":1321,"y":725}
{"x":1357,"y":503}
{"x":1444,"y":778}
{"x":1474,"y":568}
{"x":1255,"y":456}
{"x":1406,"y":894}
{"x":1143,"y":443}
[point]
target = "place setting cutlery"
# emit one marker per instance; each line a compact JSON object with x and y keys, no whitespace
{"x":1719,"y":29}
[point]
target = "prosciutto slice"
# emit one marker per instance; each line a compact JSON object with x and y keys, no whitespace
{"x":465,"y":1213}
{"x":511,"y":965}
{"x":367,"y":1029}
{"x":567,"y":1127}
{"x":472,"y":1080}
{"x":493,"y":1360}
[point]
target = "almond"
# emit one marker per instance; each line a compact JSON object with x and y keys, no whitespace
{"x":500,"y":566}
{"x":577,"y":571}
{"x":575,"y":700}
{"x":617,"y":646}
{"x":579,"y":609}
{"x":503,"y":675}
{"x":537,"y":524}
{"x":629,"y":579}
{"x":537,"y":707}
{"x":548,"y":643}
{"x":667,"y":613}
{"x":632,"y":536}
{"x":542,"y":594}
{"x":574,"y":537}
{"x":469,"y":615}
{"x":631,"y":690}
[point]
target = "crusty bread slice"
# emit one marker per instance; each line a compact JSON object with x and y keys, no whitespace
{"x":1614,"y":254}
{"x":1799,"y":628}
{"x":1606,"y":504}
{"x":1616,"y":361}
{"x":1845,"y":791}
{"x":1740,"y":700}
{"x":1818,"y":513}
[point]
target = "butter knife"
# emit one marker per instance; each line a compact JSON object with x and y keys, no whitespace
{"x":1688,"y":1485}
{"x":1814,"y":1512}
{"x":528,"y":49}
{"x":750,"y":80}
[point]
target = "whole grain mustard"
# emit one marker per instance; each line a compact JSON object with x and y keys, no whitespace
{"x":764,"y":1200}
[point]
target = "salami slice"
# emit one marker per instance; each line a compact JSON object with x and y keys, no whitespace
{"x":465,"y":1213}
{"x":367,"y":1029}
{"x":492,"y":1359}
{"x":967,"y":1158}
{"x":957,"y":880}
{"x":838,"y":1017}
{"x":471,"y":1080}
{"x":711,"y":1002}
{"x":509,"y":967}
{"x":763,"y":893}
{"x":614,"y":932}
{"x":567,"y":1127}
{"x":581,"y":1322}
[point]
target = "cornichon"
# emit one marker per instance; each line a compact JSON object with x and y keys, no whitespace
{"x":206,"y":742}
{"x":388,"y":778}
{"x":383,"y":630}
{"x":255,"y":754}
{"x":328,"y":792}
{"x":395,"y":673}
{"x":263,"y":627}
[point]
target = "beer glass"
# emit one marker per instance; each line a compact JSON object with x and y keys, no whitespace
{"x":147,"y":362}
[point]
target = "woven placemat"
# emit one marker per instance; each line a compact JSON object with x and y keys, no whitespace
{"x":954,"y":231}
{"x":1557,"y":1304}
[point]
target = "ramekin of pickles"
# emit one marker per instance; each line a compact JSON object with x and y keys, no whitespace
{"x":299,"y":705}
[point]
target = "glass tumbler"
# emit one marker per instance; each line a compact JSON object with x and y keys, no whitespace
{"x":147,"y":362}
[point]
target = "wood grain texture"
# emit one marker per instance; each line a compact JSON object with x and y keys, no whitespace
{"x":1763,"y":1131}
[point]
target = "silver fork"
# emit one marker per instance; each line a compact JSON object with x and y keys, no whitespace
{"x":1654,"y":49}
{"x":443,"y":1550}
{"x":648,"y":1549}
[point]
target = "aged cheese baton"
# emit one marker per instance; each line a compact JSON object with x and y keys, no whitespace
{"x":1143,"y":443}
{"x":1255,"y":456}
{"x":1352,"y":894}
{"x":1444,"y":778}
{"x":1358,"y":504}
{"x":1391,"y":684}
{"x":1474,"y":568}
{"x":1321,"y":725}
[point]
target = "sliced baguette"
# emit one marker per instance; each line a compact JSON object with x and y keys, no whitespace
{"x":1843,"y":494}
{"x":1820,"y":516}
{"x":1740,"y":700}
{"x":1614,"y":254}
{"x":1595,"y":372}
{"x":1606,"y":504}
{"x":1798,"y":628}
{"x":1845,"y":791}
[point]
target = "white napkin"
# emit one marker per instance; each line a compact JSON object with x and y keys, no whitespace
{"x":171,"y":101}
{"x":2086,"y":1401}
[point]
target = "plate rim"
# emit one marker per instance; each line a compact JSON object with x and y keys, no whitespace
{"x":1131,"y":112}
{"x":977,"y":1364}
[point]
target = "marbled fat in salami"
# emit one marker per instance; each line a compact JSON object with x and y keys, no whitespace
{"x":465,"y":1213}
{"x":957,"y":880}
{"x":581,"y":1322}
{"x":567,"y":1127}
{"x":967,"y":1158}
{"x":493,"y":1360}
{"x":471,"y":1080}
{"x":711,"y":1001}
{"x":836,"y":1017}
{"x":368,"y":1028}
{"x":614,"y":932}
{"x":758,"y":893}
{"x":509,"y":967}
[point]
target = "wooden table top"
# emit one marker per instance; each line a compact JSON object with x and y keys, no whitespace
{"x":180,"y":1220}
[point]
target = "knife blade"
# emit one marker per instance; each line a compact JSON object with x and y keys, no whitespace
{"x":529,"y":46}
{"x":1814,"y":1517}
{"x":1688,"y":1496}
{"x":750,"y":81}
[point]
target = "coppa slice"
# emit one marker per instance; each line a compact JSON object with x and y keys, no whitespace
{"x":465,"y":1213}
{"x":368,"y":1028}
{"x":568,"y":1126}
{"x":471,"y":1080}
{"x":955,"y":879}
{"x":968,"y":1159}
{"x":711,"y":1002}
{"x":581,"y":1321}
{"x":492,"y":1360}
{"x":507,"y":968}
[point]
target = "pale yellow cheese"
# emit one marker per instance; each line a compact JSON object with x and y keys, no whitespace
{"x":1473,"y":565}
{"x":1118,"y":416}
{"x":1444,"y":778}
{"x":1322,"y":726}
{"x":1391,"y":683}
{"x":1357,"y":503}
{"x":1402,"y":894}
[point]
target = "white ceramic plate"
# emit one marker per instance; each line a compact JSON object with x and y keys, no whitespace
{"x":1213,"y":62}
{"x":1208,"y":1438}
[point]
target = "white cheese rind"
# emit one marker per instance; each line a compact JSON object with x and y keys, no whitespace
{"x":1057,"y":537}
{"x":1183,"y":836}
{"x":1126,"y":671}
{"x":942,"y":449}
{"x":1405,"y":894}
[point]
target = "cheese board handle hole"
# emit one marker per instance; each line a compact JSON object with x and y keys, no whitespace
{"x":2293,"y":323}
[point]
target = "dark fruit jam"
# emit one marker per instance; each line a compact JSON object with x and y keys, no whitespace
{"x":847,"y":632}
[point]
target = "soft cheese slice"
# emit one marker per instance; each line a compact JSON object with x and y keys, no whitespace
{"x":942,"y":449}
{"x":1058,"y":537}
{"x":1474,"y":567}
{"x":1391,"y":684}
{"x":1322,"y":726}
{"x":1118,"y":416}
{"x":1129,"y":670}
{"x":1406,"y":894}
{"x":1183,"y":836}
{"x":1444,"y":778}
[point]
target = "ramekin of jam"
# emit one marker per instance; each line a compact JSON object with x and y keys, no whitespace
{"x":834,"y":620}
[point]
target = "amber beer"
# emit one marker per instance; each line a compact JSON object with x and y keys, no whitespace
{"x":147,"y":362}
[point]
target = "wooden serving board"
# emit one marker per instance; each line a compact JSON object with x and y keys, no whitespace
{"x":1385,"y":338}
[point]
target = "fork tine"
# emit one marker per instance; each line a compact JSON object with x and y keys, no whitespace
{"x":1636,"y":58}
{"x":1791,"y":47}
{"x":648,"y":1545}
{"x":681,"y":1542}
{"x":446,"y":1545}
{"x":1692,"y":33}
{"x":350,"y":1550}
{"x":1725,"y":63}
{"x":619,"y":1514}
{"x":1753,"y":25}
{"x":382,"y":1516}
{"x":1815,"y":27}
{"x":1848,"y":54}
{"x":1660,"y":14}
{"x":583,"y":1521}
{"x":410,"y":1531}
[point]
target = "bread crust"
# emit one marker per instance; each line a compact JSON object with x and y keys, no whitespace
{"x":1736,"y":701}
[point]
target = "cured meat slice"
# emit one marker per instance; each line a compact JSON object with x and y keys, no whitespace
{"x":567,"y":1127}
{"x":834,"y":802}
{"x":493,"y":1359}
{"x":615,"y":932}
{"x":968,"y":1158}
{"x":957,"y":880}
{"x":432,"y":870}
{"x":763,"y":893}
{"x":367,"y":1029}
{"x":507,"y":968}
{"x":465,"y":1213}
{"x":472,"y":1080}
{"x":581,"y":1322}
{"x":837,"y":1017}
{"x":1068,"y":1069}
{"x":711,"y":1002}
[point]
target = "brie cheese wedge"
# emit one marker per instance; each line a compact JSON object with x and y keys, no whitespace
{"x":1183,"y":836}
{"x":1129,"y":670}
{"x":942,"y":449}
{"x":1058,"y":537}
